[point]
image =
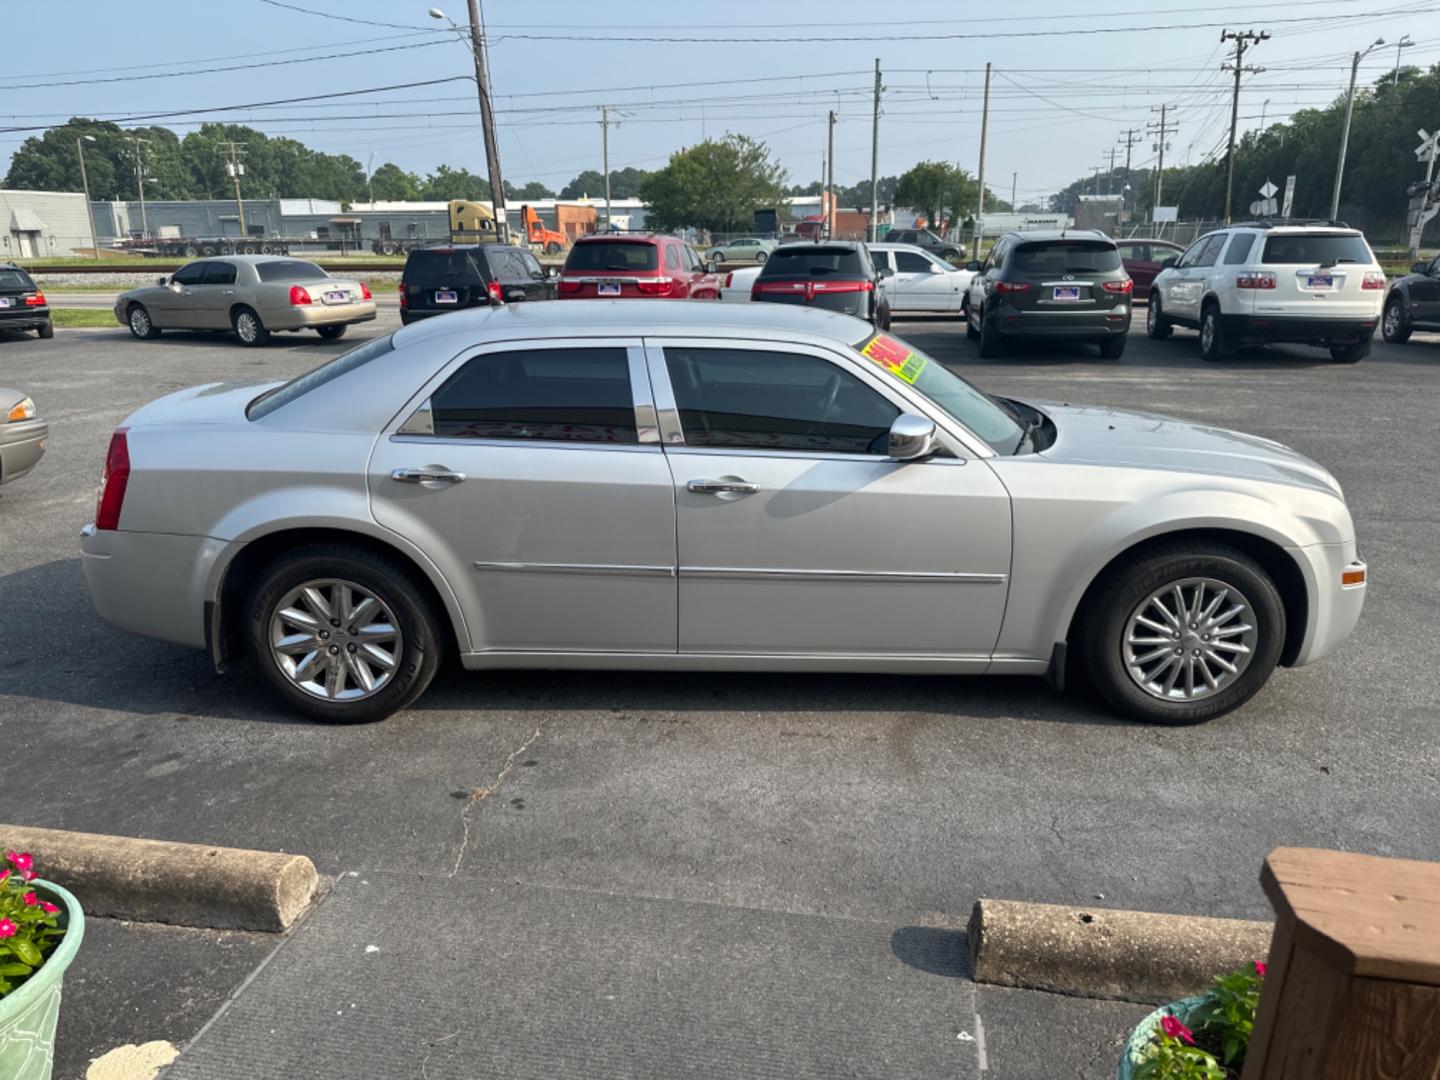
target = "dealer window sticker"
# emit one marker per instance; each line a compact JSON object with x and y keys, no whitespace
{"x":895,"y":358}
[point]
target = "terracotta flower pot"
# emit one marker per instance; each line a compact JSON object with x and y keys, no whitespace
{"x":27,"y":1015}
{"x":1133,"y":1054}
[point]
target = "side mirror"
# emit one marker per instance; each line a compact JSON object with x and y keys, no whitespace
{"x":885,"y":271}
{"x":712,"y":267}
{"x":912,"y":438}
{"x":936,"y":269}
{"x":1420,"y":268}
{"x":973,"y":266}
{"x":1171,"y":261}
{"x":161,"y":280}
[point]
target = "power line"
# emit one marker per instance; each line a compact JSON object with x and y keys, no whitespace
{"x":351,"y":18}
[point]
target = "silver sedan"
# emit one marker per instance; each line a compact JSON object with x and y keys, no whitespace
{"x":647,"y":485}
{"x":22,"y":435}
{"x":254,"y":295}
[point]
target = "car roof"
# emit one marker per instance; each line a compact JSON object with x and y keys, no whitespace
{"x":253,"y":259}
{"x":1060,"y":234}
{"x":896,"y":245}
{"x":633,"y":318}
{"x":444,"y":247}
{"x":852,"y":244}
{"x":654,"y":238}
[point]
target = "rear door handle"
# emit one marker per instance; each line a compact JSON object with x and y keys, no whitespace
{"x":722,"y":487}
{"x":438,"y":475}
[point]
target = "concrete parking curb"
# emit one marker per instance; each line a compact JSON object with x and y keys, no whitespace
{"x":159,"y":881}
{"x":1100,"y":952}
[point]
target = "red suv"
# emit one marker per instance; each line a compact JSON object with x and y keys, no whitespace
{"x":636,"y":265}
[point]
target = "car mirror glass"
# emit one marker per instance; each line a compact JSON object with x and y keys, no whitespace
{"x":935,"y":268}
{"x":1420,"y":268}
{"x":973,"y":266}
{"x":712,"y":267}
{"x":912,"y":438}
{"x":162,"y":280}
{"x":1171,"y":261}
{"x":885,"y":271}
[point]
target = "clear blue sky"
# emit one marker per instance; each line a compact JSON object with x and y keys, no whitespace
{"x":1059,"y":101}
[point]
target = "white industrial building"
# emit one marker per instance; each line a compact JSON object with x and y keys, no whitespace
{"x":35,"y":224}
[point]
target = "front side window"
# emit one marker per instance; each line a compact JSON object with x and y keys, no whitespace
{"x":758,"y":400}
{"x":911,"y":262}
{"x":190,"y":275}
{"x":555,"y":395}
{"x":1193,"y":252}
{"x":283,"y":270}
{"x":1239,"y":249}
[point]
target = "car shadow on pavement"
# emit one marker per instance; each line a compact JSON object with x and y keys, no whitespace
{"x":933,"y":949}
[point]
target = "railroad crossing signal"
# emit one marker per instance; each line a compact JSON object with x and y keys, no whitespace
{"x":1429,"y":145}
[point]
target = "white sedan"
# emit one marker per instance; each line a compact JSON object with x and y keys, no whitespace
{"x":736,"y":285}
{"x":920,"y":281}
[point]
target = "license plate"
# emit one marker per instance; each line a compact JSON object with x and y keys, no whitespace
{"x":1067,"y":292}
{"x":446,"y":296}
{"x":336,"y":297}
{"x":1321,"y":281}
{"x":6,"y":301}
{"x":608,"y":288}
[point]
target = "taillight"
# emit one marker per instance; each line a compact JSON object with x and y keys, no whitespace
{"x":494,"y":289}
{"x":728,"y":278}
{"x":571,"y":286}
{"x":654,"y":286}
{"x":1126,"y":286}
{"x":1374,"y":279}
{"x":38,"y":300}
{"x":365,"y":292}
{"x":1255,"y":279}
{"x":113,"y":479}
{"x":404,"y":298}
{"x":298,"y":296}
{"x":1012,"y":286}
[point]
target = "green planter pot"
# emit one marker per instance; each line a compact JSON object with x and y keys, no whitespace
{"x":1133,"y":1054}
{"x":27,"y":1015}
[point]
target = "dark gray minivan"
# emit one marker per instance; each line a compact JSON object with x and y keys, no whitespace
{"x":1068,"y":284}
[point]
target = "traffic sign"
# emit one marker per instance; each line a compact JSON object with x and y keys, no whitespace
{"x":1268,"y":190}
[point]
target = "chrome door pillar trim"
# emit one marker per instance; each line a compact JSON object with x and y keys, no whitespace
{"x":607,"y":569}
{"x":742,"y":573}
{"x":667,"y":412}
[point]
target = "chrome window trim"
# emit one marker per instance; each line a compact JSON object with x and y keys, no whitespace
{"x":808,"y":455}
{"x":549,"y":444}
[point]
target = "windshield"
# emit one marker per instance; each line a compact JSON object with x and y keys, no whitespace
{"x":614,"y":255}
{"x":1315,"y":249}
{"x":815,"y":262}
{"x":442,"y":268}
{"x":976,"y":410}
{"x":289,"y":270}
{"x":1066,"y":257}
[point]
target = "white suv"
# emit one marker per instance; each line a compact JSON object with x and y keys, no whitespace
{"x":1255,"y":283}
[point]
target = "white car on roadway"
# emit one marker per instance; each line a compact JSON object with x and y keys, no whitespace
{"x":919,"y":280}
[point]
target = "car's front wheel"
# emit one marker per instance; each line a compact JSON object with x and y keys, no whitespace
{"x":138,"y":319}
{"x":1187,"y":632}
{"x":343,"y":634}
{"x":1394,"y":324}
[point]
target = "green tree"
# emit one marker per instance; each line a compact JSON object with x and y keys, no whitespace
{"x":590,"y":183}
{"x":392,"y":183}
{"x":446,"y":183}
{"x":941,"y":192}
{"x":528,"y":193}
{"x":717,"y":185}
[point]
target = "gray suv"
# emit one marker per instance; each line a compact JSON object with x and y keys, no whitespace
{"x":1068,"y":285}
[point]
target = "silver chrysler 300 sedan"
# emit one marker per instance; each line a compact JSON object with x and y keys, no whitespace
{"x":651,"y":485}
{"x":254,"y":295}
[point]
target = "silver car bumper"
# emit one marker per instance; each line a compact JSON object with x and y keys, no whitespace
{"x":21,"y":446}
{"x":1334,"y":604}
{"x":150,"y":583}
{"x":306,"y":316}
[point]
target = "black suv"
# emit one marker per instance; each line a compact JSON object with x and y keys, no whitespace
{"x":1068,"y":285}
{"x":1413,"y":303}
{"x":837,"y":275}
{"x":22,"y":304}
{"x":449,"y":277}
{"x":924,"y":238}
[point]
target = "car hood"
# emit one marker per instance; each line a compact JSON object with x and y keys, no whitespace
{"x":1093,"y":435}
{"x":212,"y":403}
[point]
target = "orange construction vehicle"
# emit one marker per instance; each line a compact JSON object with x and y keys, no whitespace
{"x":547,"y":240}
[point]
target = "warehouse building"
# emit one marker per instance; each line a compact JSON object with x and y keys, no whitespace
{"x":36,"y":224}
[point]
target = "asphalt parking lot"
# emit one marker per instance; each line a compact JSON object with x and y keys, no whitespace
{"x":658,"y":875}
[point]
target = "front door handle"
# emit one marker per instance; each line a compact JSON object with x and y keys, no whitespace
{"x":436,"y":475}
{"x":722,"y":487}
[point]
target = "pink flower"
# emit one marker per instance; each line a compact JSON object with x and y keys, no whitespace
{"x":30,"y":898}
{"x":48,"y":908}
{"x":1260,"y":968}
{"x":1175,"y":1029}
{"x":21,"y":861}
{"x":27,"y":875}
{"x":5,"y":874}
{"x":7,"y":928}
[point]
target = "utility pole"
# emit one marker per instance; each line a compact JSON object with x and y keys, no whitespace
{"x":85,"y":183}
{"x":487,"y":117}
{"x":140,"y":183}
{"x":1345,"y":131}
{"x":605,"y":157}
{"x":1242,"y":39}
{"x":980,"y":198}
{"x":1110,"y":176}
{"x":236,"y":168}
{"x":1014,"y":179}
{"x":1161,"y":145}
{"x":830,"y":181}
{"x":875,"y":159}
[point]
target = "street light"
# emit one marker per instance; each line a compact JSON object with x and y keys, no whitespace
{"x":80,"y":141}
{"x":1403,"y":43}
{"x":1345,"y":133}
{"x":487,"y":118}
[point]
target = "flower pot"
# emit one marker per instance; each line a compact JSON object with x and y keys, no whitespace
{"x":28,"y":1014}
{"x":1133,"y":1054}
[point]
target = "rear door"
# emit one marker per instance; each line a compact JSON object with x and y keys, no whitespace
{"x":1317,"y":274}
{"x":1425,"y":294}
{"x":1139,"y":264}
{"x":507,"y":268}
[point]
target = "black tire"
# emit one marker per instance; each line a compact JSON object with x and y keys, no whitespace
{"x":882,"y":317}
{"x":249,"y":328}
{"x":1349,"y":354}
{"x":1102,"y":628}
{"x":1395,"y":323}
{"x":191,"y":251}
{"x":1156,"y":325}
{"x":330,"y":333}
{"x":1213,"y":345}
{"x":1112,"y":348}
{"x":991,"y":344}
{"x":208,"y":250}
{"x":264,"y":249}
{"x":248,"y":249}
{"x":392,"y":584}
{"x":761,"y":256}
{"x":970,"y":331}
{"x":138,"y":319}
{"x":552,"y":248}
{"x":46,"y":331}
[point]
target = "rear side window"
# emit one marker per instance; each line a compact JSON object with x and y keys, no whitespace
{"x":219,"y":273}
{"x":554,"y":395}
{"x":817,"y":261}
{"x":672,"y":258}
{"x":1239,"y":249}
{"x":507,"y":266}
{"x":281,"y":396}
{"x":443,"y":268}
{"x":1303,"y":249}
{"x":289,"y":270}
{"x":15,"y":279}
{"x":614,"y":255}
{"x":1065,"y":257}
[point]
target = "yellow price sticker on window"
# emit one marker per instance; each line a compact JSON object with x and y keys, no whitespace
{"x":895,"y":358}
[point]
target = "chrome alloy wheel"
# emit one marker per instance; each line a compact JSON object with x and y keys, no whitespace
{"x":139,"y":321}
{"x":1152,"y":316}
{"x":1391,"y":325}
{"x":335,"y":640}
{"x":247,"y":326}
{"x":1189,"y":640}
{"x":1207,"y":332}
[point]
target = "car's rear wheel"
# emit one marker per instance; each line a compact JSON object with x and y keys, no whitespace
{"x":248,"y":327}
{"x":1395,"y":324}
{"x":1349,"y":354}
{"x":1213,"y":345}
{"x":1112,"y":348}
{"x":138,"y":319}
{"x":46,"y":330}
{"x":342,"y":634}
{"x":1156,"y":325}
{"x":991,"y":345}
{"x":1187,"y":632}
{"x":970,"y":331}
{"x":330,"y":333}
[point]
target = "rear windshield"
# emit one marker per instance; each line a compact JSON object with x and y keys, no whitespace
{"x":1315,"y":249}
{"x":280,"y":396}
{"x":289,"y":270}
{"x":815,"y":262}
{"x":1066,"y":257}
{"x":614,"y":255}
{"x":15,"y":279}
{"x":442,"y":267}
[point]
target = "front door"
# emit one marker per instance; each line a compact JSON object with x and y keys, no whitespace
{"x":1185,"y":294}
{"x":797,"y":536}
{"x":922,"y":284}
{"x":170,"y":305}
{"x":526,"y":478}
